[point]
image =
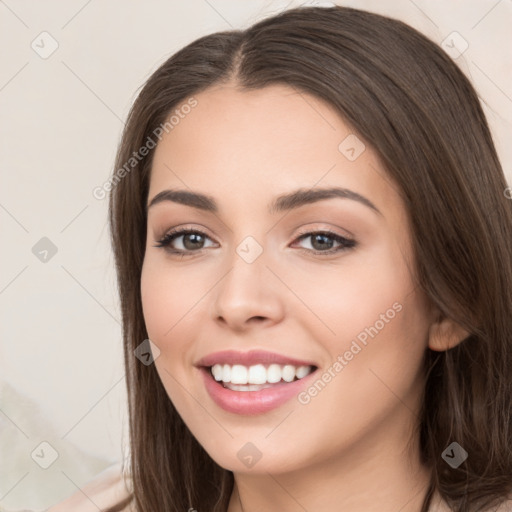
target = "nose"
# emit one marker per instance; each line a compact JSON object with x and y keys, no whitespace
{"x":248,"y":295}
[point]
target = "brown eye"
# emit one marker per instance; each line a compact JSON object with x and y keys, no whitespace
{"x":191,"y":241}
{"x":324,"y":241}
{"x":187,"y":241}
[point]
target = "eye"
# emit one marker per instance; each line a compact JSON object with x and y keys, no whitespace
{"x":192,"y":240}
{"x":323,"y":242}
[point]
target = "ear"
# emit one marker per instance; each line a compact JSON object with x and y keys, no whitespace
{"x":444,"y":334}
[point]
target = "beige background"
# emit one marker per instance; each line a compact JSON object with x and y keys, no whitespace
{"x":62,"y":116}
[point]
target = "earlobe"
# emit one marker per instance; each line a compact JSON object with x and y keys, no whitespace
{"x":445,"y":334}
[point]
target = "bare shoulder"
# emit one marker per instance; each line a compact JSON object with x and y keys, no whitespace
{"x":105,"y":490}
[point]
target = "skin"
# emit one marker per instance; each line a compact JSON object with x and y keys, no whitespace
{"x":352,"y":447}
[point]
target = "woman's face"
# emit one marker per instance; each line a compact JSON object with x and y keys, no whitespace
{"x":319,"y":282}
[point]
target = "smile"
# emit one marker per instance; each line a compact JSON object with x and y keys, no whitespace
{"x":254,"y":382}
{"x":254,"y":378}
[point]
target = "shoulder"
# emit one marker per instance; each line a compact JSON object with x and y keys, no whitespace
{"x":105,"y":490}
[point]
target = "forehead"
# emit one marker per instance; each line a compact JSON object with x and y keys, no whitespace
{"x":255,"y":143}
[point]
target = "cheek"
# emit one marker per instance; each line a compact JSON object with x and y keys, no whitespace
{"x":368,"y":312}
{"x":381,"y":330}
{"x":174,"y":303}
{"x":375,"y":355}
{"x":351,"y":295}
{"x":171,"y":303}
{"x":169,"y":299}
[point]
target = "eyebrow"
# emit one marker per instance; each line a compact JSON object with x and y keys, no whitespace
{"x":281,"y":203}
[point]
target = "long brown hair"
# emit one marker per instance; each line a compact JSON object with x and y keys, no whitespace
{"x":407,"y":99}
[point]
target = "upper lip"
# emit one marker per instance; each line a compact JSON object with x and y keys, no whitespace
{"x":252,"y":357}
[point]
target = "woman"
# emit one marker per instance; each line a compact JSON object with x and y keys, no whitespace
{"x":310,"y":224}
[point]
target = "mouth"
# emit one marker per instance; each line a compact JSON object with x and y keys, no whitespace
{"x":242,"y":378}
{"x":256,"y":389}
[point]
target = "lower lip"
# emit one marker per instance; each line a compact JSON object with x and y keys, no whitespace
{"x":252,"y":402}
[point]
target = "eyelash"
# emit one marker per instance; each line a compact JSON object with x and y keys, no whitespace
{"x":168,"y":238}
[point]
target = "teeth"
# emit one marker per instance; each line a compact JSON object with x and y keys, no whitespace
{"x":257,"y":375}
{"x":302,"y":371}
{"x":288,"y":373}
{"x":274,"y":373}
{"x":238,"y":374}
{"x":247,"y":387}
{"x":217,"y":372}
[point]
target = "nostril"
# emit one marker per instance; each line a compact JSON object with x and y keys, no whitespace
{"x":259,"y":318}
